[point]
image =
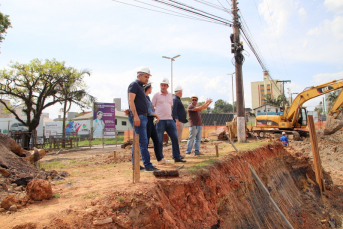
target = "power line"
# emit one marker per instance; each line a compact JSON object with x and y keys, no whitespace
{"x":277,"y":42}
{"x":264,"y":32}
{"x":184,"y":15}
{"x":206,"y":15}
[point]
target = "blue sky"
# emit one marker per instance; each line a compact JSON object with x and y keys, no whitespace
{"x":300,"y":41}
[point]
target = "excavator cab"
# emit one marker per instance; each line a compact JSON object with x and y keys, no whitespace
{"x":303,"y":117}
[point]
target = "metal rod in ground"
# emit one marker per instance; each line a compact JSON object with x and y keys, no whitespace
{"x":228,"y":137}
{"x":265,"y":191}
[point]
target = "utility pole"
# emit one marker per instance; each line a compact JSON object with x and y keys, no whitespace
{"x":283,"y":90}
{"x":237,"y":48}
{"x":171,"y":78}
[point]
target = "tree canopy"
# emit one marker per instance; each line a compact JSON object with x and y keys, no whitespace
{"x":5,"y":23}
{"x":220,"y":106}
{"x":41,"y":84}
{"x":275,"y":101}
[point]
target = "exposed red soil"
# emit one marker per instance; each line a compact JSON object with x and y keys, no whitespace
{"x":224,"y":190}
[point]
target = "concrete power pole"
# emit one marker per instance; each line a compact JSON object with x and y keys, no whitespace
{"x":237,"y":48}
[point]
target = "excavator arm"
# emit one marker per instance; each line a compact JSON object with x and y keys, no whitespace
{"x":292,"y":113}
{"x":332,"y":123}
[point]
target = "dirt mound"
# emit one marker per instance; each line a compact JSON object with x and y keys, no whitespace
{"x":224,"y":190}
{"x":12,"y":145}
{"x":330,"y":151}
{"x":20,"y":170}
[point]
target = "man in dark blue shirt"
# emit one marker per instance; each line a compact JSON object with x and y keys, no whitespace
{"x":138,"y":114}
{"x":179,"y":112}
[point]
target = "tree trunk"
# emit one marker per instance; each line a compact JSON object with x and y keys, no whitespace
{"x":64,"y":123}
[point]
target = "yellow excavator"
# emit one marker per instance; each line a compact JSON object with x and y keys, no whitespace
{"x":294,"y":117}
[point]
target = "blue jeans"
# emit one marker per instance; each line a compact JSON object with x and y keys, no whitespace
{"x":194,"y":134}
{"x":143,"y":140}
{"x":170,"y":127}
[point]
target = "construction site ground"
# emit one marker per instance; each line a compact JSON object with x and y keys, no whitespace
{"x":99,"y":193}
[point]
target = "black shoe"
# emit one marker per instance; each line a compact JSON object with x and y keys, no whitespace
{"x":152,"y":169}
{"x":179,"y":160}
{"x":182,"y":157}
{"x":141,"y":168}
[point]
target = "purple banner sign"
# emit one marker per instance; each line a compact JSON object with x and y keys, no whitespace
{"x":104,"y":120}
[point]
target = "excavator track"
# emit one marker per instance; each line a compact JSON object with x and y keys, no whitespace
{"x":296,"y":135}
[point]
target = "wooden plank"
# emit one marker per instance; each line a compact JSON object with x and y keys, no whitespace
{"x":136,"y":154}
{"x":315,"y":152}
{"x":217,"y":153}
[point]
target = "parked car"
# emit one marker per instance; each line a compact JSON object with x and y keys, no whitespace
{"x":18,"y":127}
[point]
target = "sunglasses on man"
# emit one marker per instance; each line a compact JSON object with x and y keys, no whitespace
{"x":194,"y":100}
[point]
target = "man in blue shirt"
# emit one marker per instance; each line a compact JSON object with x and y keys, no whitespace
{"x":138,"y":114}
{"x":284,"y":139}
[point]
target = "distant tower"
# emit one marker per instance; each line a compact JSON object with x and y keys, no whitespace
{"x":117,"y":101}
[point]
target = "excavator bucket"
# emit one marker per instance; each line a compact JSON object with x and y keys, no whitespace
{"x":332,"y":125}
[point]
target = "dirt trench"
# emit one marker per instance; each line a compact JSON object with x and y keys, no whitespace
{"x":224,"y":190}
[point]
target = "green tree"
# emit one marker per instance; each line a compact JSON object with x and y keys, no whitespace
{"x":74,"y":91}
{"x":39,"y":85}
{"x":332,"y":98}
{"x":276,"y":101}
{"x":220,"y":106}
{"x":5,"y":23}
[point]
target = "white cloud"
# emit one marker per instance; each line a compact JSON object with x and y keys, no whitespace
{"x":335,"y":6}
{"x":277,"y":13}
{"x":302,"y":12}
{"x":326,"y":77}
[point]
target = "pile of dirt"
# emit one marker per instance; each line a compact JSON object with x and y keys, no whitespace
{"x":9,"y":142}
{"x":224,"y":190}
{"x":16,"y":172}
{"x":330,"y":151}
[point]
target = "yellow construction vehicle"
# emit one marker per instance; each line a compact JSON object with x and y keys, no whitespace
{"x":332,"y":123}
{"x":295,"y":116}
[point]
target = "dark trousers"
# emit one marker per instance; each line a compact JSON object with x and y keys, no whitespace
{"x":152,"y":133}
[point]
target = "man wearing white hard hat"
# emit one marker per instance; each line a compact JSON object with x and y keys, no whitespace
{"x":284,"y":139}
{"x":195,"y":125}
{"x":163,"y":103}
{"x":179,"y":112}
{"x":138,"y":114}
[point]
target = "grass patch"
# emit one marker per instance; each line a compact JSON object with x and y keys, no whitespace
{"x":250,"y":145}
{"x":92,"y":195}
{"x":57,"y":195}
{"x":61,"y":182}
{"x":53,"y":165}
{"x":199,"y":166}
{"x":98,"y":141}
{"x":108,"y":166}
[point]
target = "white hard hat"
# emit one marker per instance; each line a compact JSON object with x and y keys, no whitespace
{"x":147,"y":85}
{"x":165,"y":81}
{"x":283,"y":133}
{"x":178,"y":88}
{"x":194,"y":96}
{"x":144,"y":70}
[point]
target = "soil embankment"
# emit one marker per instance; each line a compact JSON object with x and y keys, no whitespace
{"x":224,"y":190}
{"x":330,"y":151}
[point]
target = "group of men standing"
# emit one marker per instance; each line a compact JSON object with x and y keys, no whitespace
{"x":171,"y":117}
